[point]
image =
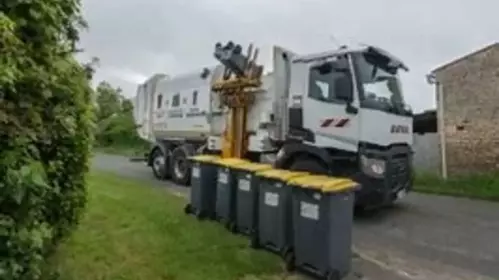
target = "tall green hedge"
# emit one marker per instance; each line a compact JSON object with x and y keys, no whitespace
{"x":45,"y":131}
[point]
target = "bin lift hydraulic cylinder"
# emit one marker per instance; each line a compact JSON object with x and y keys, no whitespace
{"x":241,"y":80}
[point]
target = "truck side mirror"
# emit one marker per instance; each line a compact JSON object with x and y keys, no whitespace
{"x":343,"y":87}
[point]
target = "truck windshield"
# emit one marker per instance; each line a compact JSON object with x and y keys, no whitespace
{"x":380,"y":84}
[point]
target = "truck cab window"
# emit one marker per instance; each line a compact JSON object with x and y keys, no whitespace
{"x":176,"y":100}
{"x":328,"y":83}
{"x":380,"y":84}
{"x":159,"y":101}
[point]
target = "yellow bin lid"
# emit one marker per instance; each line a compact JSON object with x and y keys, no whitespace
{"x":281,"y":174}
{"x":323,"y":183}
{"x":253,"y":166}
{"x":204,"y":158}
{"x":231,"y":162}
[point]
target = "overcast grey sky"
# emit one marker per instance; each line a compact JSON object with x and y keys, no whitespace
{"x":136,"y":38}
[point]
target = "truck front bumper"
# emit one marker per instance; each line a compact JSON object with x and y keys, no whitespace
{"x":396,"y":182}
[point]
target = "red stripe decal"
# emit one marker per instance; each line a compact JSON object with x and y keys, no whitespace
{"x":341,"y":123}
{"x":327,"y":122}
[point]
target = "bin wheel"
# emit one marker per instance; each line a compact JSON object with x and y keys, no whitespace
{"x":200,"y":214}
{"x":289,"y":260}
{"x":254,"y":242}
{"x":333,"y":275}
{"x":212,"y":216}
{"x":188,"y":209}
{"x":231,"y":226}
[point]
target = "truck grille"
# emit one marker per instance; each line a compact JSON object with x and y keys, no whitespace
{"x":399,"y":171}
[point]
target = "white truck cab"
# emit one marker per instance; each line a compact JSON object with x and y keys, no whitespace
{"x":347,"y":116}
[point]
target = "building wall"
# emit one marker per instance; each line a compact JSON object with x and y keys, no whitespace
{"x":471,"y":112}
{"x":427,"y":153}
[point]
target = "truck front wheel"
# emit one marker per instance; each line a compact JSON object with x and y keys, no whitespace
{"x":181,"y":167}
{"x":308,"y":164}
{"x":159,"y":164}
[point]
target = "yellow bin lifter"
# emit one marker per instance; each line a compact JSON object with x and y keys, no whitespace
{"x":241,"y":80}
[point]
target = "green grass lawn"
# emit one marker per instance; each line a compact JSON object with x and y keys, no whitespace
{"x":133,"y":231}
{"x":484,"y":186}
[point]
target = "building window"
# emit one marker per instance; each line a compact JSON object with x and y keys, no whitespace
{"x":159,"y":101}
{"x":184,"y":100}
{"x":194,"y":97}
{"x":176,"y":100}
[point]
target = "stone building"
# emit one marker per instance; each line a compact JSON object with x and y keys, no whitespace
{"x":467,"y":95}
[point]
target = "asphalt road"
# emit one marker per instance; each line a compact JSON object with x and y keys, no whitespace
{"x":424,"y":237}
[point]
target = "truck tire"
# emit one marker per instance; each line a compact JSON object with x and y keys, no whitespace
{"x":180,"y":166}
{"x":308,"y":164}
{"x":159,"y":165}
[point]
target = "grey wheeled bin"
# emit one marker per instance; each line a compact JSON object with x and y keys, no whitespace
{"x":247,"y":196}
{"x":203,"y":186}
{"x":322,"y":225}
{"x":225,"y":206}
{"x":274,"y":230}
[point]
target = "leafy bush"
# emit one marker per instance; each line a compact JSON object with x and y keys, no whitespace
{"x":45,"y":131}
{"x":116,"y":129}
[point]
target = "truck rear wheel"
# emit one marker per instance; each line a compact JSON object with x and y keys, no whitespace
{"x":181,"y":167}
{"x":308,"y":164}
{"x":159,"y":164}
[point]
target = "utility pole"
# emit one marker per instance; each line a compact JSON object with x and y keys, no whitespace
{"x":432,"y":80}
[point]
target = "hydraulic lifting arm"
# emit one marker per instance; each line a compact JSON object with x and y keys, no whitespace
{"x":240,"y":81}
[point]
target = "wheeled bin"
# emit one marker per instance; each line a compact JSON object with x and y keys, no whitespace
{"x":274,"y":231}
{"x":225,"y":206}
{"x":247,"y":196}
{"x":322,"y":225}
{"x":203,"y":186}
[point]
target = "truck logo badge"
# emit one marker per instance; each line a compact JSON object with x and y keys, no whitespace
{"x":334,"y":122}
{"x":399,"y":129}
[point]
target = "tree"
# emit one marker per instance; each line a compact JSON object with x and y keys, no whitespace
{"x":116,"y":125}
{"x":90,"y":67}
{"x":109,"y":100}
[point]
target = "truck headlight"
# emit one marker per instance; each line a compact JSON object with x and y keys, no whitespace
{"x":280,"y":154}
{"x":372,"y":166}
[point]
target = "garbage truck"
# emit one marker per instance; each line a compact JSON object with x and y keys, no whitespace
{"x":340,"y":112}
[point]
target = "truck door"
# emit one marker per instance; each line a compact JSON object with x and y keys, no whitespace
{"x":330,"y":107}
